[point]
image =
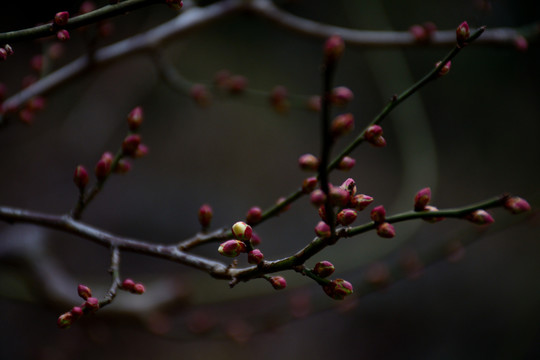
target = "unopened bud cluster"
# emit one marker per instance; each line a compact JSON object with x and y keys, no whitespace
{"x":133,"y":287}
{"x":373,"y":135}
{"x":90,"y":305}
{"x":338,"y":289}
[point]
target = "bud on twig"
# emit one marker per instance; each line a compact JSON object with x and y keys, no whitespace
{"x":373,"y":135}
{"x":432,"y":219}
{"x":350,"y":186}
{"x":346,"y":164}
{"x":130,"y":144}
{"x":308,"y":162}
{"x":61,"y":18}
{"x":341,"y":96}
{"x":445,"y":69}
{"x":338,"y":289}
{"x":103,"y":166}
{"x":205,"y":215}
{"x":65,"y":320}
{"x":200,"y":94}
{"x":378,"y":214}
{"x":361,"y":201}
{"x":462,"y":34}
{"x":322,"y":230}
{"x":128,"y":285}
{"x":339,"y":197}
{"x":342,"y":124}
{"x":421,"y":199}
{"x":278,"y":282}
{"x":386,"y":230}
{"x":480,"y":217}
{"x":80,"y":177}
{"x":324,"y":269}
{"x":84,"y":291}
{"x":255,"y":256}
{"x":254,"y":215}
{"x":135,"y":118}
{"x":333,"y":49}
{"x":517,"y":205}
{"x":346,"y":217}
{"x":62,"y":35}
{"x":92,"y":304}
{"x":309,"y":184}
{"x":232,"y":248}
{"x":242,"y":231}
{"x":317,"y":197}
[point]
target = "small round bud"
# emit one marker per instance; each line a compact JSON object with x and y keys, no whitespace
{"x":339,"y":197}
{"x":77,"y":312}
{"x":373,"y":135}
{"x":432,"y":219}
{"x":130,"y":144}
{"x":338,"y":289}
{"x":123,"y":166}
{"x":200,"y":94}
{"x":342,"y":124}
{"x":80,"y":177}
{"x":333,"y":49}
{"x":322,"y":230}
{"x":205,"y":215}
{"x":346,"y":217}
{"x":62,"y":35}
{"x":61,"y":18}
{"x":237,"y":84}
{"x":103,"y":166}
{"x":317,"y":197}
{"x":128,"y":284}
{"x":92,"y":304}
{"x":308,"y":162}
{"x":341,"y":96}
{"x":517,"y":205}
{"x":309,"y":184}
{"x":232,"y":248}
{"x":84,"y":291}
{"x":242,"y":231}
{"x":254,"y":215}
{"x":378,"y":214}
{"x":278,"y":99}
{"x":386,"y":230}
{"x":480,"y":217}
{"x":361,"y":201}
{"x":135,"y":118}
{"x":138,"y":289}
{"x":255,"y":256}
{"x":142,"y":150}
{"x":462,"y":34}
{"x":278,"y":282}
{"x":350,"y":186}
{"x":445,"y":69}
{"x":324,"y":269}
{"x":346,"y":163}
{"x":422,"y":198}
{"x":175,"y":4}
{"x":65,"y":320}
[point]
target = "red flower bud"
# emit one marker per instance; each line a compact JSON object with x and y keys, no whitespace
{"x":135,"y":118}
{"x":278,"y":282}
{"x":350,"y":186}
{"x":92,"y":304}
{"x":386,"y":230}
{"x":205,"y":215}
{"x":242,"y":231}
{"x":130,"y":144}
{"x":103,"y":166}
{"x":254,"y":215}
{"x":324,"y":269}
{"x":480,"y":217}
{"x":432,"y":219}
{"x":80,"y":177}
{"x":333,"y":49}
{"x":342,"y":124}
{"x":517,"y":205}
{"x":308,"y":162}
{"x":338,"y":289}
{"x":445,"y":69}
{"x":84,"y":291}
{"x":237,"y":84}
{"x":421,"y":199}
{"x":462,"y":34}
{"x":128,"y":284}
{"x":62,"y":35}
{"x":346,"y":163}
{"x":360,"y":202}
{"x":255,"y":256}
{"x":87,"y":6}
{"x":373,"y":135}
{"x":65,"y":320}
{"x":232,"y":248}
{"x":346,"y":217}
{"x":378,"y":214}
{"x":61,"y":18}
{"x":122,"y":166}
{"x":309,"y":184}
{"x":341,"y":96}
{"x":138,"y":289}
{"x":339,"y":197}
{"x":322,"y":230}
{"x":141,"y":151}
{"x":317,"y":197}
{"x":77,"y":312}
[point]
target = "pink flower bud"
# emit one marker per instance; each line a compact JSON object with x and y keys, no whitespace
{"x":175,"y":4}
{"x":142,"y":150}
{"x":278,"y":282}
{"x":3,"y":54}
{"x":122,"y":166}
{"x":280,"y":201}
{"x":92,"y":304}
{"x":278,"y":99}
{"x":378,"y":214}
{"x":480,"y":217}
{"x":309,"y":184}
{"x":65,"y":320}
{"x":103,"y":166}
{"x":317,"y":197}
{"x":254,"y":215}
{"x":308,"y":162}
{"x":80,"y":177}
{"x":419,"y":33}
{"x":314,"y":103}
{"x":200,"y":94}
{"x":462,"y":34}
{"x":517,"y":205}
{"x":128,"y":284}
{"x":324,"y":269}
{"x":386,"y":230}
{"x":445,"y":69}
{"x":373,"y":135}
{"x":62,"y":35}
{"x":360,"y":202}
{"x":421,"y":199}
{"x":255,"y":256}
{"x":130,"y":144}
{"x":61,"y":18}
{"x":432,"y":219}
{"x":333,"y":49}
{"x":346,"y":163}
{"x":350,"y":186}
{"x":232,"y":248}
{"x":135,"y":118}
{"x":77,"y":312}
{"x":84,"y":291}
{"x":341,"y":96}
{"x":205,"y":215}
{"x":242,"y":231}
{"x":346,"y":217}
{"x":255,"y":239}
{"x":9,"y":49}
{"x":339,"y":197}
{"x":322,"y":230}
{"x":342,"y":124}
{"x":338,"y":289}
{"x":237,"y":84}
{"x":138,"y":289}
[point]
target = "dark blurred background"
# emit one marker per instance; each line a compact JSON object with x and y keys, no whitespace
{"x":469,"y":136}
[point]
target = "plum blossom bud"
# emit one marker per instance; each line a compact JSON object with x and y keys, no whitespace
{"x":254,"y":215}
{"x":103,"y":166}
{"x":3,"y":54}
{"x":373,"y":135}
{"x":432,"y":219}
{"x":237,"y":84}
{"x":341,"y":96}
{"x":61,"y":18}
{"x":517,"y":205}
{"x":350,"y":186}
{"x":141,"y":151}
{"x":338,"y":289}
{"x":80,"y":177}
{"x":386,"y":230}
{"x":339,"y":197}
{"x":309,"y":184}
{"x":278,"y":282}
{"x":378,"y":214}
{"x":480,"y":217}
{"x":242,"y":231}
{"x":77,"y":312}
{"x":324,"y":269}
{"x":138,"y":289}
{"x":308,"y":162}
{"x":128,"y":285}
{"x":84,"y":291}
{"x":346,"y":163}
{"x":92,"y":304}
{"x":122,"y":166}
{"x":419,"y":33}
{"x":62,"y":35}
{"x":130,"y":144}
{"x":65,"y":320}
{"x":445,"y":69}
{"x":175,"y":4}
{"x":317,"y":197}
{"x":333,"y":49}
{"x":361,"y":201}
{"x":255,"y":256}
{"x":9,"y":49}
{"x":232,"y":248}
{"x":346,"y":217}
{"x":462,"y":34}
{"x":278,"y":99}
{"x":205,"y":215}
{"x":342,"y":124}
{"x":421,"y":199}
{"x":200,"y":94}
{"x":135,"y":118}
{"x":322,"y":230}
